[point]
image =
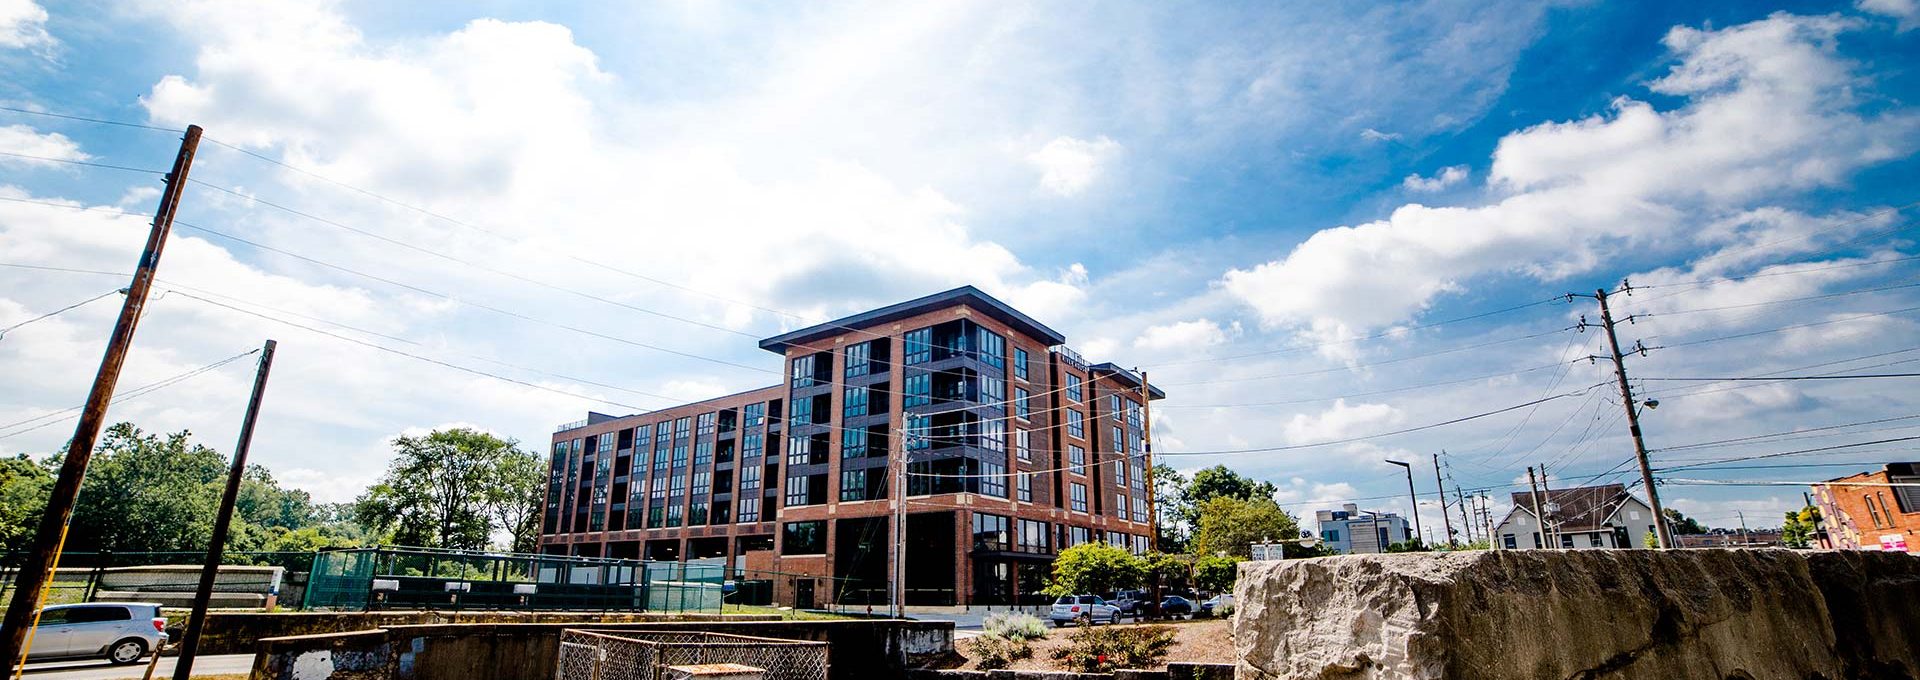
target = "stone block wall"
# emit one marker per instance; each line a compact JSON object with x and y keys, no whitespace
{"x":1626,"y":614}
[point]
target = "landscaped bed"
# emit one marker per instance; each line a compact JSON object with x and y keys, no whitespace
{"x":1200,"y":640}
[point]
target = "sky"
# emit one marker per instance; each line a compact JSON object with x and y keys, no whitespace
{"x":1313,"y":226}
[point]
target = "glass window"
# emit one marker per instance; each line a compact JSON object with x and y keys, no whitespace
{"x":802,"y":411}
{"x":993,"y":348}
{"x":804,"y":538}
{"x":676,"y":514}
{"x":664,"y":435}
{"x":1022,"y":404}
{"x":1140,"y":510}
{"x":919,"y":389}
{"x":679,"y":455}
{"x":993,"y":435}
{"x":859,"y":359}
{"x":1034,"y":537}
{"x":1120,"y":505}
{"x":1113,"y":406}
{"x":1077,"y":457}
{"x":750,"y":510}
{"x":706,"y":423}
{"x":682,"y":426}
{"x":993,"y":390}
{"x":797,"y":488}
{"x":799,"y":449}
{"x":1076,"y":424}
{"x":1023,"y":445}
{"x":750,"y":478}
{"x":1020,"y":363}
{"x":751,"y":446}
{"x":853,"y":443}
{"x":755,"y":414}
{"x":854,"y":402}
{"x":803,"y":371}
{"x":919,"y":432}
{"x":1079,"y":497}
{"x":1119,"y":442}
{"x":660,"y":458}
{"x":1074,"y":393}
{"x":1119,"y":474}
{"x":703,"y":453}
{"x":919,"y":346}
{"x":995,"y":482}
{"x":1025,"y":481}
{"x":853,"y":485}
{"x":991,"y":532}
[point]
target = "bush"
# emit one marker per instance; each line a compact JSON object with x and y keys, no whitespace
{"x":992,"y":652}
{"x":1103,"y":649}
{"x":1015,"y":626}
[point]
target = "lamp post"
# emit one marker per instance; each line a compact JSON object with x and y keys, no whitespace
{"x":1415,"y":500}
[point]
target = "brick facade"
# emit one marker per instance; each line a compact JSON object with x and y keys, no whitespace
{"x":618,"y":487}
{"x":1862,"y":512}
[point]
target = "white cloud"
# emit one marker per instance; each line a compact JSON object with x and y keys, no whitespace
{"x":1907,"y":11}
{"x":1188,"y":335}
{"x":1341,"y":421}
{"x":21,"y":139}
{"x":1068,"y":165}
{"x":1448,"y":176}
{"x":1373,"y":135}
{"x":1768,"y":109}
{"x":23,"y":25}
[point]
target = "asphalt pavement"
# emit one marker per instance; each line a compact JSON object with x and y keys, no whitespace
{"x":93,"y":669}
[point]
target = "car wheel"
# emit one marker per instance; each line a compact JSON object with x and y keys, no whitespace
{"x":1114,"y":620}
{"x":126,"y":651}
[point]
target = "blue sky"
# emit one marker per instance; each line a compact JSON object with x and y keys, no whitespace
{"x":1188,"y":190}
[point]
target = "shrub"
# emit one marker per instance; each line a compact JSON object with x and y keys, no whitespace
{"x":1103,"y":649}
{"x":992,"y":652}
{"x":1015,"y":626}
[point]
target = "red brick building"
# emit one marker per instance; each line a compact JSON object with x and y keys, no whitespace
{"x":1015,"y":448}
{"x":1865,"y":512}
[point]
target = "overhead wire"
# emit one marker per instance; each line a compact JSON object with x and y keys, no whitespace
{"x":48,"y":419}
{"x":49,"y":315}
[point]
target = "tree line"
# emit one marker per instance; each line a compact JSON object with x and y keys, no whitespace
{"x":157,"y":493}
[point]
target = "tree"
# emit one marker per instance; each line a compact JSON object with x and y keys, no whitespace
{"x":1170,"y":497}
{"x":1220,"y":482}
{"x":1800,"y":527}
{"x":1215,"y":574}
{"x":1094,"y":568}
{"x":147,"y":493}
{"x":513,"y":498}
{"x":24,"y":486}
{"x":1230,"y":526}
{"x":441,"y":489}
{"x":1682,"y":524}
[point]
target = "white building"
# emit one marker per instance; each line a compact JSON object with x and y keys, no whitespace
{"x":1585,"y":517}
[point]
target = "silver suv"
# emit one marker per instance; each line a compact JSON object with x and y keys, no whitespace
{"x":1070,"y":609}
{"x":120,"y":632}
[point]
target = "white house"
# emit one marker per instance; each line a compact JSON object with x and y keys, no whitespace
{"x":1584,"y":517}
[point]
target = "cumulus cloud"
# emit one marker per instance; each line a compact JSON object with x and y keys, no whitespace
{"x":1448,"y":176}
{"x":1907,"y":11}
{"x":21,"y":139}
{"x":1768,"y":108}
{"x":1181,"y":335}
{"x":1341,"y":421}
{"x":1068,"y":166}
{"x":23,"y":25}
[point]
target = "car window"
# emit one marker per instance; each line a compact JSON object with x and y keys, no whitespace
{"x":96,"y":614}
{"x":54,"y":617}
{"x":1088,"y":599}
{"x":1064,"y":599}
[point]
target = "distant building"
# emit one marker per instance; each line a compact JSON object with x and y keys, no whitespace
{"x":1351,"y":530}
{"x":1586,"y":517}
{"x":1731,"y":538}
{"x":1860,"y":512}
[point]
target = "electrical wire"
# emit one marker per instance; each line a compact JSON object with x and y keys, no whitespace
{"x":76,"y":305}
{"x":135,"y":393}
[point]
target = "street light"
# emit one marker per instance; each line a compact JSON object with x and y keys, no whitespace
{"x":1410,"y":495}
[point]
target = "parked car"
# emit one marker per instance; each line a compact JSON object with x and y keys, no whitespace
{"x":120,"y":632}
{"x":1216,"y":604}
{"x":1130,"y":602}
{"x":1176,"y":606}
{"x":1070,"y":609}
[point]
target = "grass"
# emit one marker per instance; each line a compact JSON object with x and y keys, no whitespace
{"x":795,"y":615}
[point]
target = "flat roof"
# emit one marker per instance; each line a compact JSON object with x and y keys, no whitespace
{"x":967,"y":295}
{"x":1126,"y":377}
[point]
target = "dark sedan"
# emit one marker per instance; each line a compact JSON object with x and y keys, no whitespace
{"x":1176,"y":606}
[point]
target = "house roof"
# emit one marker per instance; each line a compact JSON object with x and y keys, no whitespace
{"x":967,"y":295}
{"x":1583,"y":508}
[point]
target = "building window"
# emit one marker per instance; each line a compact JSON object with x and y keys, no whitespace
{"x":854,"y":402}
{"x":751,"y":446}
{"x":797,"y":488}
{"x":803,"y":371}
{"x":1023,"y":445}
{"x":804,"y":538}
{"x":853,"y":485}
{"x":802,"y":411}
{"x":750,"y":510}
{"x":853,"y":443}
{"x":993,"y":390}
{"x":1872,"y":510}
{"x":993,"y":435}
{"x":750,"y":478}
{"x":1566,"y":541}
{"x":676,"y":513}
{"x":1119,"y":475}
{"x":706,"y":423}
{"x":1025,"y":482}
{"x":1022,"y":405}
{"x":859,"y":359}
{"x":703,"y":454}
{"x":1140,"y":510}
{"x":1077,"y":458}
{"x":1120,"y":505}
{"x":756,"y":414}
{"x":1077,"y":536}
{"x":640,"y":435}
{"x":682,"y":426}
{"x":604,"y":443}
{"x":1074,"y":392}
{"x":660,"y":458}
{"x":991,"y":532}
{"x":1113,"y":406}
{"x":679,"y":455}
{"x":918,"y":390}
{"x":1079,"y":497}
{"x":919,"y":432}
{"x":1133,"y":414}
{"x":993,"y":349}
{"x":1020,"y":363}
{"x":799,"y":449}
{"x":1034,"y":537}
{"x":919,"y":346}
{"x":994,"y":481}
{"x":1076,"y":424}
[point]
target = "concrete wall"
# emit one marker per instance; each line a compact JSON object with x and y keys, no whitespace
{"x":237,"y":632}
{"x":858,"y":650}
{"x":1625,"y":614}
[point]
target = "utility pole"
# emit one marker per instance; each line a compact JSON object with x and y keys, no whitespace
{"x":1440,"y":489}
{"x":1460,"y":503}
{"x":900,"y":520}
{"x":44,"y":557}
{"x":197,"y":618}
{"x":1414,"y":499}
{"x":1146,"y":449}
{"x":1540,"y":536}
{"x":1745,"y":540}
{"x":1661,"y":531}
{"x":1547,"y":502}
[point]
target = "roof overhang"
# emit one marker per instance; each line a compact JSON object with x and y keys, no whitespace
{"x":1124,"y":377}
{"x":964,"y":295}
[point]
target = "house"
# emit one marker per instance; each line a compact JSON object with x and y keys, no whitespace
{"x":1351,"y":530}
{"x":1867,"y":511}
{"x":1604,"y":516}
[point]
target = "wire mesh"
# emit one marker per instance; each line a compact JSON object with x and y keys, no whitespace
{"x":589,"y":655}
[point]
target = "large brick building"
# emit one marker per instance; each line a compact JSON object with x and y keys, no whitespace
{"x":1868,"y":511}
{"x":1016,"y":448}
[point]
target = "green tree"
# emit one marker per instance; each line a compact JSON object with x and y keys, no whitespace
{"x":1216,"y":574}
{"x":146,"y":492}
{"x":1094,"y":568}
{"x":1220,"y":482}
{"x":1682,"y":524}
{"x":437,"y":491}
{"x":1800,"y":527}
{"x":1170,"y":499}
{"x":1230,"y":526}
{"x":513,"y":498}
{"x":24,"y":485}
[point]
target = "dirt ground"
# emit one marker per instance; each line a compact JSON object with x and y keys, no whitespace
{"x":1198,"y":640}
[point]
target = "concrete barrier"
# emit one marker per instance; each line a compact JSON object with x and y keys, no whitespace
{"x":237,"y":632}
{"x":857,"y":650}
{"x":1617,"y":614}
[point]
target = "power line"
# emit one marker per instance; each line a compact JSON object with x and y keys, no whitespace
{"x":76,"y":305}
{"x":1785,"y":378}
{"x":1383,"y":334}
{"x":1790,"y":434}
{"x":1351,"y":367}
{"x":1404,"y":388}
{"x":63,"y":414}
{"x":100,"y":121}
{"x":90,"y":164}
{"x":1810,"y":324}
{"x":1782,"y":454}
{"x":1784,"y":300}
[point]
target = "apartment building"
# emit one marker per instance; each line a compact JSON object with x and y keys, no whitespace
{"x":1015,"y":448}
{"x":1350,"y":530}
{"x":1877,"y":510}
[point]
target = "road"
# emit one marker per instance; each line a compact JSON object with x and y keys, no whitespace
{"x":87,"y":669}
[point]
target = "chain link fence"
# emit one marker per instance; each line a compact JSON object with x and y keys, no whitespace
{"x":245,"y":579}
{"x":590,"y":655}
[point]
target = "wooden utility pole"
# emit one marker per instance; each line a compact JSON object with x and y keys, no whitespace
{"x":1440,"y":489}
{"x":1540,"y":535}
{"x":1550,"y":537}
{"x":899,"y":598}
{"x":1460,"y":502}
{"x":197,"y":618}
{"x":1146,"y":451}
{"x":1660,"y":529}
{"x":44,"y":557}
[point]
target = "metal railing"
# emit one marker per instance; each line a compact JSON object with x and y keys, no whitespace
{"x":607,"y":655}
